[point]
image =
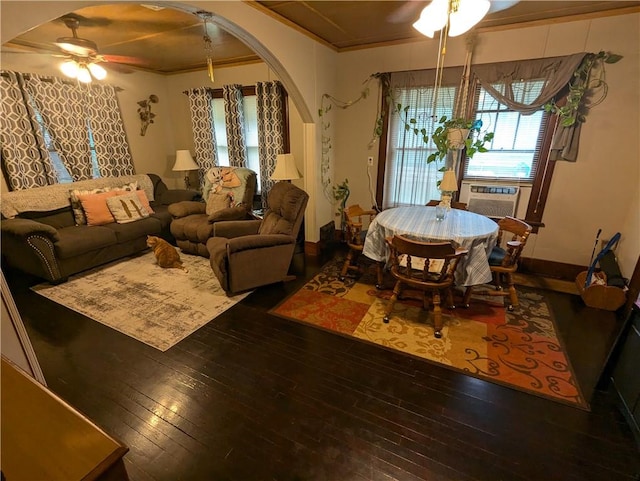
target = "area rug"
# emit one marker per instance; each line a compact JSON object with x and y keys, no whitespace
{"x":519,"y":349}
{"x":135,"y":296}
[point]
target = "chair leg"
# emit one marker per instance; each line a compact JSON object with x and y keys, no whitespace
{"x":345,"y":266}
{"x":467,"y":297}
{"x":379,"y":275}
{"x":437,"y":315}
{"x":450,"y":303}
{"x":392,"y":301}
{"x":513,"y":295}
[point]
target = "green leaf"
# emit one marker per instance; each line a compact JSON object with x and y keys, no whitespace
{"x":568,"y":122}
{"x":613,"y":58}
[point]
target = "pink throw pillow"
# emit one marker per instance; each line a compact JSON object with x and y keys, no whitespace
{"x":95,"y":207}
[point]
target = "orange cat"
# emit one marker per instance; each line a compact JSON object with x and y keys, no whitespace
{"x":166,"y":255}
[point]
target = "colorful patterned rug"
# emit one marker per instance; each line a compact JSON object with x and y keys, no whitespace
{"x":519,"y":349}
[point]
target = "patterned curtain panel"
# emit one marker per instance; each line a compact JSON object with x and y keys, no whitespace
{"x":204,"y":135}
{"x":270,"y":99}
{"x":64,"y":111}
{"x":234,"y":117}
{"x":25,"y":157}
{"x":109,"y":137}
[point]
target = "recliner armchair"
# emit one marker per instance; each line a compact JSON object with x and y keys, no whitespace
{"x":192,"y":226}
{"x":248,"y":254}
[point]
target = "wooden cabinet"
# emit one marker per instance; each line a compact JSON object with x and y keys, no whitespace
{"x":45,"y":438}
{"x":626,"y":373}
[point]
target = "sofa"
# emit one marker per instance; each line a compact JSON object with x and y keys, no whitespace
{"x":194,"y":223}
{"x":252,"y":253}
{"x":41,"y":234}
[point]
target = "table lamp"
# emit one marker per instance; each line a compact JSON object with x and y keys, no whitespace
{"x":448,"y":186}
{"x":185,"y":163}
{"x":285,"y":168}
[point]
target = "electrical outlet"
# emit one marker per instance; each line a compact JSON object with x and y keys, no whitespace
{"x":369,"y":161}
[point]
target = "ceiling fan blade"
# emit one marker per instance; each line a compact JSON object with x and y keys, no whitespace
{"x":407,"y":12}
{"x":123,"y":59}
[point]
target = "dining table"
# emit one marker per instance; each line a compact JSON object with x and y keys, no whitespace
{"x":468,"y":230}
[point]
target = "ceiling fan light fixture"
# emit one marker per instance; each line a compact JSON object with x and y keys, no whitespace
{"x":432,"y":18}
{"x":460,"y":15}
{"x":69,"y":68}
{"x":84,"y":75}
{"x":97,"y":71}
{"x":468,"y":14}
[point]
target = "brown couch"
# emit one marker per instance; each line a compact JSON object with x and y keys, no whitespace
{"x":248,"y":254}
{"x":192,"y":227}
{"x":40,"y":235}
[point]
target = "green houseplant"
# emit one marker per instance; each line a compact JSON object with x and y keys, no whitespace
{"x":587,"y":89}
{"x":458,"y":133}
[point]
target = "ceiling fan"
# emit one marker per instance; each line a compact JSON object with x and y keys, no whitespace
{"x":83,"y":59}
{"x":410,"y":10}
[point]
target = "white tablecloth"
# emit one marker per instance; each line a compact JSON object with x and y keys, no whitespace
{"x":471,"y":231}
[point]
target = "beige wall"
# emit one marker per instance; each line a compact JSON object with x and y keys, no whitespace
{"x":598,"y":191}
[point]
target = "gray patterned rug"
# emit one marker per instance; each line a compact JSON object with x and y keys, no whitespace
{"x":135,"y":296}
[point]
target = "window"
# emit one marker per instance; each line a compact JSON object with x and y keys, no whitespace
{"x":407,"y":153}
{"x":250,"y":132}
{"x":516,"y":147}
{"x":517,"y":153}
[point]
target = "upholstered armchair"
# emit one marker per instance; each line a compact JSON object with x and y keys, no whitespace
{"x":248,"y":254}
{"x":227,"y":195}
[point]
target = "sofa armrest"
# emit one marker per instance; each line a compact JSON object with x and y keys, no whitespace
{"x":235,"y":228}
{"x":258,"y":241}
{"x":26,"y":227}
{"x":173,"y":196}
{"x":187,"y":207}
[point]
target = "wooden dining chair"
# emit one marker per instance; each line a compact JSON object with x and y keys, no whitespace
{"x":356,"y":221}
{"x":426,"y":267}
{"x":503,"y":260}
{"x":454,"y":204}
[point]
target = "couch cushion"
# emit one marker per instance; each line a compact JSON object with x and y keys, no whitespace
{"x":79,"y":239}
{"x":127,"y":208}
{"x":95,"y":207}
{"x":217,"y":201}
{"x":56,"y":218}
{"x":76,"y":204}
{"x":133,"y":230}
{"x":274,"y":224}
{"x":195,"y":227}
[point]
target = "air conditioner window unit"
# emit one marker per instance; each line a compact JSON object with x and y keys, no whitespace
{"x":495,"y":201}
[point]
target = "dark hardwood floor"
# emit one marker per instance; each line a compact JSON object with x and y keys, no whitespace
{"x":251,"y":396}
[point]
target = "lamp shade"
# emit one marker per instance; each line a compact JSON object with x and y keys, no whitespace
{"x":184,"y":161}
{"x":285,"y":168}
{"x":449,"y":182}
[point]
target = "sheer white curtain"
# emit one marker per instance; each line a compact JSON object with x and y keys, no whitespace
{"x":409,"y":179}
